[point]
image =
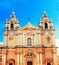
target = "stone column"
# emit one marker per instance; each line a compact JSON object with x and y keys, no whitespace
{"x":18,"y":38}
{"x":40,"y":39}
{"x":17,"y":58}
{"x":53,"y":40}
{"x":55,"y":59}
{"x":23,"y":39}
{"x":37,"y":60}
{"x":40,"y":58}
{"x":21,"y":59}
{"x":34,"y":39}
{"x":5,"y":40}
{"x":37,"y":39}
{"x":4,"y":57}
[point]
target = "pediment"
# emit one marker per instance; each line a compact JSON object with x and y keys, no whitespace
{"x":29,"y":26}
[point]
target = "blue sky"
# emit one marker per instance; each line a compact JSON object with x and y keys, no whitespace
{"x":32,"y":9}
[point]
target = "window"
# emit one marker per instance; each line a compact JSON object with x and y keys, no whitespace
{"x":12,"y":26}
{"x":46,"y":25}
{"x":29,"y":42}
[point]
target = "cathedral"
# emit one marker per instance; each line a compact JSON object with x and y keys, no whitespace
{"x":29,"y":45}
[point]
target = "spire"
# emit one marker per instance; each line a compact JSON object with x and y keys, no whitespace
{"x":44,"y":17}
{"x":13,"y":14}
{"x":44,"y":14}
{"x":13,"y":11}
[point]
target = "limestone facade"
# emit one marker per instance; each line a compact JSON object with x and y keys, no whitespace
{"x":29,"y":45}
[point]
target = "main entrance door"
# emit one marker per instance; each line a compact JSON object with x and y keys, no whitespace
{"x":48,"y":64}
{"x":29,"y":63}
{"x":10,"y":63}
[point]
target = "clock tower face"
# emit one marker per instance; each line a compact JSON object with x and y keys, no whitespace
{"x":11,"y":33}
{"x":46,"y":33}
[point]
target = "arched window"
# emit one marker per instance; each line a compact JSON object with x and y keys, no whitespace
{"x":12,"y":26}
{"x":48,"y":39}
{"x":29,"y":42}
{"x":46,"y":25}
{"x":48,"y":63}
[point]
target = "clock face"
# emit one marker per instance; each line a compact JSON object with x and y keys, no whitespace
{"x":46,"y":33}
{"x":11,"y":33}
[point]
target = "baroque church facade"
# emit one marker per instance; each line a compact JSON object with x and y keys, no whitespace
{"x":29,"y":45}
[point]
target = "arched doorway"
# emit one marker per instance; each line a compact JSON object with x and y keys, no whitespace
{"x":48,"y":63}
{"x":29,"y":57}
{"x":11,"y":62}
{"x":29,"y":63}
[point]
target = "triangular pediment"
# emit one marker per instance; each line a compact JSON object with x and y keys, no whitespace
{"x":29,"y":26}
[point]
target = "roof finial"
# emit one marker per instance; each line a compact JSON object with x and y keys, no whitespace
{"x":44,"y":13}
{"x":13,"y":14}
{"x":28,"y":20}
{"x":50,"y":20}
{"x":13,"y":11}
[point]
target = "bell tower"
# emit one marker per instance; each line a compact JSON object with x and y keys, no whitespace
{"x":47,"y":31}
{"x":11,"y":31}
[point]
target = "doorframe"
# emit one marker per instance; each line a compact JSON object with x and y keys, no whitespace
{"x":11,"y":61}
{"x":29,"y":61}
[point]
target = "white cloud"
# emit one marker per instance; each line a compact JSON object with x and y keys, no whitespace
{"x":1,"y":42}
{"x":57,"y":44}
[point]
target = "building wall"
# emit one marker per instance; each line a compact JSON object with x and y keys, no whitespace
{"x":38,"y":56}
{"x":29,"y":44}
